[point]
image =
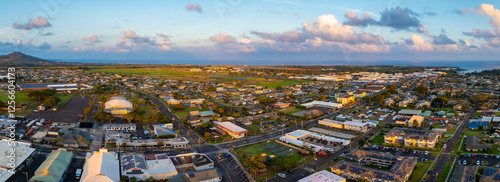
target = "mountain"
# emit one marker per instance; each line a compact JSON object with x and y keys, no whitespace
{"x":20,"y":59}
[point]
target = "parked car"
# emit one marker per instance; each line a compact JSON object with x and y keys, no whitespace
{"x":281,"y":175}
{"x":426,"y":152}
{"x":459,"y":162}
{"x":465,"y":162}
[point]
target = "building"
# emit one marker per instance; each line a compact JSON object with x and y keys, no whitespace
{"x":232,"y":129}
{"x":345,"y":99}
{"x":102,"y":166}
{"x":207,"y":175}
{"x":119,"y":127}
{"x":418,"y":120}
{"x":332,"y":123}
{"x":63,"y":86}
{"x":323,"y":176}
{"x":180,"y":142}
{"x":400,"y":167}
{"x":411,"y":137}
{"x":134,"y":166}
{"x":356,"y":126}
{"x":160,"y":166}
{"x":281,"y":105}
{"x":474,"y":125}
{"x":164,"y":129}
{"x":299,"y":138}
{"x":322,"y":104}
{"x":20,"y":151}
{"x":409,"y":112}
{"x":192,"y":161}
{"x":54,"y":168}
{"x":118,"y":105}
{"x":75,"y":139}
{"x":32,"y":86}
{"x":476,"y":143}
{"x":313,"y":113}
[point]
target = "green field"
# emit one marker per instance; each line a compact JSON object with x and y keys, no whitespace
{"x":182,"y":114}
{"x":419,"y":171}
{"x":150,"y":111}
{"x":21,"y":97}
{"x":378,"y":140}
{"x":65,"y":98}
{"x":472,"y":133}
{"x":257,"y":149}
{"x":253,"y":127}
{"x":282,"y":83}
{"x":142,"y":71}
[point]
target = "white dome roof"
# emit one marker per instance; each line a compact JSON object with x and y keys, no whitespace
{"x":118,"y":102}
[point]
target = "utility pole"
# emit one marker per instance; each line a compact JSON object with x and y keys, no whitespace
{"x":199,"y":143}
{"x":26,"y":176}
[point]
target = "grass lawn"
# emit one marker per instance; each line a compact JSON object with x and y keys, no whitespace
{"x":182,"y":114}
{"x":21,"y":97}
{"x":452,"y":131}
{"x":472,"y":133}
{"x":253,"y":127}
{"x":378,"y":140}
{"x":291,"y":111}
{"x":150,"y":110}
{"x":446,"y":170}
{"x":419,"y":171}
{"x":281,"y":83}
{"x":65,"y":98}
{"x":143,"y":71}
{"x":111,"y":145}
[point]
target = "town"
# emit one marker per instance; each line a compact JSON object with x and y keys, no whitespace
{"x":250,"y":123}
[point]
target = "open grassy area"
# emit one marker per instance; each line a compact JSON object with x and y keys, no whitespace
{"x":65,"y":98}
{"x":143,"y":71}
{"x":253,"y":127}
{"x":378,"y":140}
{"x":467,"y":132}
{"x":292,"y":110}
{"x":283,"y":83}
{"x":446,"y":170}
{"x":452,"y":131}
{"x":182,"y":114}
{"x":110,"y":145}
{"x":419,"y":171}
{"x":21,"y":97}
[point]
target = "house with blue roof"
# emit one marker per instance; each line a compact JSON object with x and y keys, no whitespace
{"x":475,"y":125}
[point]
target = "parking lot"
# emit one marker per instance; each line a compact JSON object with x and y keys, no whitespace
{"x":484,"y":159}
{"x":67,"y":114}
{"x":229,"y":168}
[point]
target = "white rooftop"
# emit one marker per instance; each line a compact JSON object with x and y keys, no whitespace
{"x":298,"y":133}
{"x":322,"y":176}
{"x":22,"y":152}
{"x":316,"y":102}
{"x":230,"y":126}
{"x":160,"y":166}
{"x":355,"y":123}
{"x":101,"y":167}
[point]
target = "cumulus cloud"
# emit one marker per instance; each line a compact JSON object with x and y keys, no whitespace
{"x":222,"y":38}
{"x":131,"y":42}
{"x":442,"y":39}
{"x":39,"y":23}
{"x":20,"y":45}
{"x":417,"y":43}
{"x":91,"y":39}
{"x":398,"y":18}
{"x":287,"y":36}
{"x":193,"y":7}
{"x":488,"y":10}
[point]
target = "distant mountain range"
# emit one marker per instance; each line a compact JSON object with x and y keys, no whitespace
{"x":18,"y":59}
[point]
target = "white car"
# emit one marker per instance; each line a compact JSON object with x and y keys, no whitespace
{"x":426,"y":152}
{"x":281,"y":175}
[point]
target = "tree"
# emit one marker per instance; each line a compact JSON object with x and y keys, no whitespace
{"x":481,"y":127}
{"x":160,"y":143}
{"x":363,"y":180}
{"x":211,"y":89}
{"x":421,"y":89}
{"x":52,"y":101}
{"x":129,"y":117}
{"x":414,"y":123}
{"x":362,"y":142}
{"x":208,"y":136}
{"x":180,"y":106}
{"x":439,"y":102}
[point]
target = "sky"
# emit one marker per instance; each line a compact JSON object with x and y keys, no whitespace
{"x":237,"y":30}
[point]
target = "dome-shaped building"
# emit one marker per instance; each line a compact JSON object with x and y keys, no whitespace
{"x":118,"y":105}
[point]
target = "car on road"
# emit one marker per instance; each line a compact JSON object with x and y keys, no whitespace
{"x":281,"y":175}
{"x":465,"y":162}
{"x":459,"y":162}
{"x":477,"y":163}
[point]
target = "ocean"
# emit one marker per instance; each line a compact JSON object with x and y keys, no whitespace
{"x":470,"y":66}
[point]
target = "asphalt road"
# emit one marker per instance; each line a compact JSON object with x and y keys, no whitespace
{"x":445,"y":157}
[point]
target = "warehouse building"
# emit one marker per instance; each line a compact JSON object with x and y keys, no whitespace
{"x":54,"y":167}
{"x":102,"y":166}
{"x":233,"y":130}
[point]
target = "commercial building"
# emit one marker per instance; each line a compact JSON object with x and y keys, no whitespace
{"x":411,"y":137}
{"x":20,"y":152}
{"x":323,"y":176}
{"x":118,"y":105}
{"x":116,"y":127}
{"x":345,"y":99}
{"x":54,"y":168}
{"x":134,"y":166}
{"x":160,"y":166}
{"x":170,"y":142}
{"x":415,"y":120}
{"x":232,"y":129}
{"x":299,"y":138}
{"x":347,"y":125}
{"x":322,"y":104}
{"x":101,"y":166}
{"x":207,"y":175}
{"x":193,"y":161}
{"x":400,"y":167}
{"x":63,"y":86}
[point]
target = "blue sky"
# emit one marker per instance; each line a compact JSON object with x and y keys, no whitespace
{"x":252,"y":30}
